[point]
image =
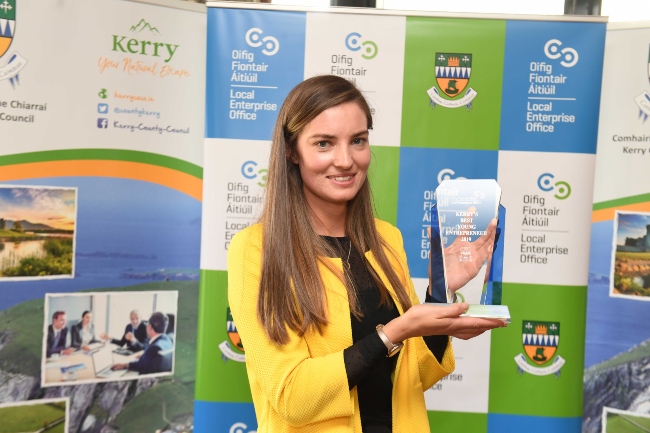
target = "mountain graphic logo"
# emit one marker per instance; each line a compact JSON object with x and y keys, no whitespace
{"x":144,"y":25}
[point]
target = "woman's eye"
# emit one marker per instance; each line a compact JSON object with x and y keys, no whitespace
{"x":359,"y":141}
{"x":322,"y":144}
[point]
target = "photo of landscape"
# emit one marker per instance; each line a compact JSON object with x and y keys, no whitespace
{"x":620,"y":421}
{"x":147,"y":241}
{"x":37,"y":232}
{"x":43,"y":416}
{"x":616,"y":363}
{"x":631,"y":262}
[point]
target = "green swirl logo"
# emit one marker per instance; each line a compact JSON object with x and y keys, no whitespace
{"x":562,"y":189}
{"x":369,"y":48}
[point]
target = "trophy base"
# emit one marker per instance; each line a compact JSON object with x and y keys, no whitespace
{"x":487,"y":311}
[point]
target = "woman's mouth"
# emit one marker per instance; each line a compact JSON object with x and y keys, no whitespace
{"x":341,"y":178}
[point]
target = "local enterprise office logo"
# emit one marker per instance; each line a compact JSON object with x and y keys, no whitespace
{"x":249,"y":171}
{"x":561,"y":188}
{"x":353,"y":43}
{"x":240,"y":427}
{"x":270,"y":45}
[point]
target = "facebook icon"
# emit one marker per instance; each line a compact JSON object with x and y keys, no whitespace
{"x":102,"y":123}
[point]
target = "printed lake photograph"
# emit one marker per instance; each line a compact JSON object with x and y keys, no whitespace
{"x":37,"y":232}
{"x":621,"y":421}
{"x":631,"y":262}
{"x":43,"y":416}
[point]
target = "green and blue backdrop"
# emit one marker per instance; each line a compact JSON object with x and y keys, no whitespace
{"x":511,"y":98}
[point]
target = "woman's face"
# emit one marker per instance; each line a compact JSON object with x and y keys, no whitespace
{"x":87,"y":318}
{"x":333,"y":154}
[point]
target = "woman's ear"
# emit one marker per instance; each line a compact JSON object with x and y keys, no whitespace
{"x":291,"y":156}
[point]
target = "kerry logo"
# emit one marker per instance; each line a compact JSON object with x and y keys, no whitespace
{"x":540,"y":341}
{"x":15,"y":63}
{"x":143,"y":25}
{"x":142,"y":46}
{"x":453,"y":71}
{"x":227,"y":351}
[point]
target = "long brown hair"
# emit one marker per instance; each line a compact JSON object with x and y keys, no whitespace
{"x":291,"y":290}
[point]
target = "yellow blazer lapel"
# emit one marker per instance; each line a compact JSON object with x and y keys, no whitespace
{"x":330,"y":280}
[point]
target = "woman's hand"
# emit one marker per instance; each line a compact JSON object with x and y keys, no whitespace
{"x":431,"y":319}
{"x":463,"y":259}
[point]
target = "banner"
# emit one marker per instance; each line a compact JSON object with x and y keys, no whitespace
{"x":101,"y":118}
{"x":616,"y":352}
{"x":509,"y":99}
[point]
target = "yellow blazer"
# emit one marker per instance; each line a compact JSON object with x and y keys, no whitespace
{"x":302,"y":386}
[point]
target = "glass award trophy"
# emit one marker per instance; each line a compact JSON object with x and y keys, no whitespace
{"x":467,"y":232}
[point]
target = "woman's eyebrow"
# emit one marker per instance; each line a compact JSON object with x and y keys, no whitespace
{"x":330,"y":136}
{"x":311,"y":137}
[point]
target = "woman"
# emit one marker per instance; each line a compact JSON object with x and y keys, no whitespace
{"x":310,"y":286}
{"x":83,"y":333}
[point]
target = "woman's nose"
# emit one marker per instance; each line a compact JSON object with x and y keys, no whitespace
{"x":342,"y":157}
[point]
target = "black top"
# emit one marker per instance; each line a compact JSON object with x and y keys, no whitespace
{"x":140,"y":334}
{"x":76,"y":333}
{"x":55,"y":345}
{"x":366,"y":364}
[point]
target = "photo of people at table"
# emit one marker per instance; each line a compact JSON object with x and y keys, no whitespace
{"x":91,"y":337}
